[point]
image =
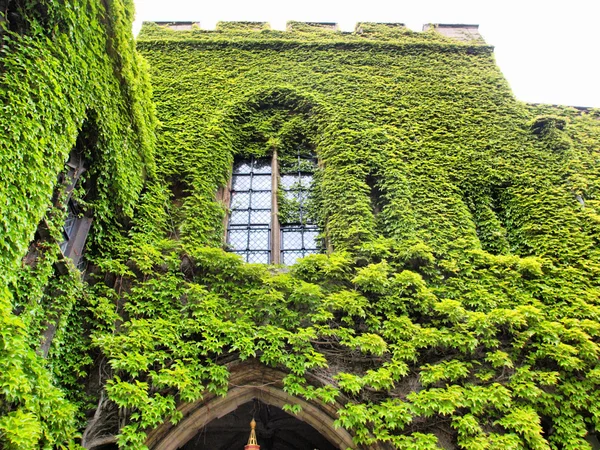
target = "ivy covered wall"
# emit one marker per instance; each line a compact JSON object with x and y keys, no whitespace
{"x":460,"y":304}
{"x":70,"y":78}
{"x":457,"y":305}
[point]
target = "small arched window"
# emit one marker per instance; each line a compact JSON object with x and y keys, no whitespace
{"x":270,"y":219}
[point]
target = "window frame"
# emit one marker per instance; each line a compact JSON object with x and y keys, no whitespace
{"x":75,"y":235}
{"x":276,"y":229}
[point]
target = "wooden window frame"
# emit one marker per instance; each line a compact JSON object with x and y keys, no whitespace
{"x":275,"y":238}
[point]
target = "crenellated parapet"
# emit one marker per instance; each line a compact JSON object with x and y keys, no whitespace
{"x":311,"y":26}
{"x":363,"y":30}
{"x":243,"y":26}
{"x":459,"y":32}
{"x":179,"y":25}
{"x":379,"y":27}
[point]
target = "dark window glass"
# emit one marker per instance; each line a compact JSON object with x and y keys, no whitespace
{"x":71,"y":219}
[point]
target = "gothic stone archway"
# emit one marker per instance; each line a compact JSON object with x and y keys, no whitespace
{"x":249,"y":381}
{"x":275,"y":430}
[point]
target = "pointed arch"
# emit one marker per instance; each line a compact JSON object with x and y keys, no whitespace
{"x":238,"y":116}
{"x":248,"y":381}
{"x":273,"y":135}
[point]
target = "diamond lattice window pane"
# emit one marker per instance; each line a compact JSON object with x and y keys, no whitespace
{"x":241,"y":167}
{"x":290,"y":257}
{"x":70,"y":223}
{"x":261,"y":183}
{"x":238,"y":239}
{"x":251,"y":203}
{"x":64,"y":243}
{"x":288,"y":181}
{"x":239,"y":217}
{"x":240,"y":183}
{"x":262,"y":166}
{"x":261,"y":200}
{"x":291,"y":239}
{"x":240,"y":200}
{"x":259,"y":257}
{"x":311,"y":241}
{"x":260,"y":217}
{"x":259,"y":240}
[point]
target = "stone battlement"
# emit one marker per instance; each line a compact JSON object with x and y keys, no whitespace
{"x":460,"y":32}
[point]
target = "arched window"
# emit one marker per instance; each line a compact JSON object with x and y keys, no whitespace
{"x":270,"y":219}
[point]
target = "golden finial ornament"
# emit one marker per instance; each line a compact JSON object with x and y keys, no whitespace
{"x":252,"y":442}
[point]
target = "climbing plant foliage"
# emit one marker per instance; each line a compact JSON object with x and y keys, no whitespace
{"x":69,"y":73}
{"x":457,"y":303}
{"x":460,"y":303}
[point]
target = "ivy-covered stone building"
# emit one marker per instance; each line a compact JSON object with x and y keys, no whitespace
{"x":360,"y":240}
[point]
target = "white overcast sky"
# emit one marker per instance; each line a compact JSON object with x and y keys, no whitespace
{"x":548,"y":50}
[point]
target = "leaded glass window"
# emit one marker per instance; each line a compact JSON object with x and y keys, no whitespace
{"x":299,"y":232}
{"x":249,"y":230}
{"x":263,"y":232}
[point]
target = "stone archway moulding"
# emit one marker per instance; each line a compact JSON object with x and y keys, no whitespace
{"x":248,"y":381}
